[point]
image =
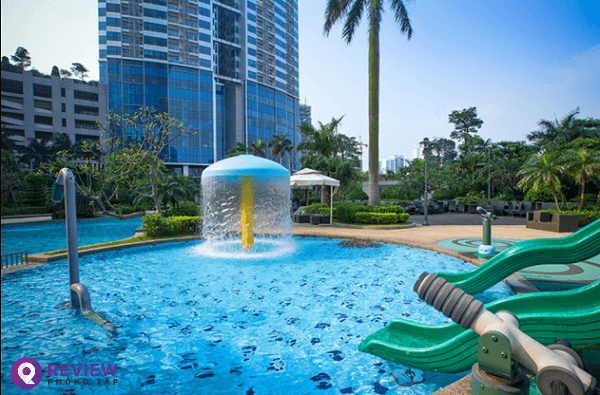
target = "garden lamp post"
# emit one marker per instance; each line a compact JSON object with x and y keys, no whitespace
{"x":489,"y":150}
{"x":425,"y":143}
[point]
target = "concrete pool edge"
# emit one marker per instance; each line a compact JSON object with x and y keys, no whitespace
{"x":515,"y":282}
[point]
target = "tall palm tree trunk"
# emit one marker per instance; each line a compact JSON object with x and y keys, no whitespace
{"x":374,"y":110}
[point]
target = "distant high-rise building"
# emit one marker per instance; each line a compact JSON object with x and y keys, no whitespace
{"x":40,"y":107}
{"x":418,"y":152}
{"x":305,"y":114}
{"x":228,"y":69}
{"x":390,"y":163}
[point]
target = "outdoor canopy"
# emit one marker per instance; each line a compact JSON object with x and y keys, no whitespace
{"x":308,"y":177}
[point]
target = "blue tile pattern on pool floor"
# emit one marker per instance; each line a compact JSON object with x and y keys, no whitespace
{"x":195,"y":325}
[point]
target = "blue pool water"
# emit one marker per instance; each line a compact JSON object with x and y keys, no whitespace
{"x":192,"y":324}
{"x":50,"y":236}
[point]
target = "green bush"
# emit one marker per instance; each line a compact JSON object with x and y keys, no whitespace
{"x":541,"y":194}
{"x":585,"y":216}
{"x":377,"y":218}
{"x":346,"y":212}
{"x":158,"y":226}
{"x":357,"y":194}
{"x":443,"y":194}
{"x":403,"y":217}
{"x":186,"y":208}
{"x":388,"y":208}
{"x":326,"y":211}
{"x":313,"y":208}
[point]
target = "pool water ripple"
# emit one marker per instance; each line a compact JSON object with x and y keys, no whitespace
{"x":200,"y":325}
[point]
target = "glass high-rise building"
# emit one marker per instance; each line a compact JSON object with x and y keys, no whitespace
{"x":228,"y":69}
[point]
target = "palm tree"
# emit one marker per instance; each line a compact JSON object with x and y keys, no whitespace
{"x":277,"y":145}
{"x":35,"y":153}
{"x":540,"y":170}
{"x":257,"y":149}
{"x":569,"y":128}
{"x":289,"y":149}
{"x":582,"y":164}
{"x":352,"y":11}
{"x":239,"y":149}
{"x":323,"y":141}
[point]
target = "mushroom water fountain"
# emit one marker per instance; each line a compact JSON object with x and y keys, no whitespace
{"x":246,"y":204}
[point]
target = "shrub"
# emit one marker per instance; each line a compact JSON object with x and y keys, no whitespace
{"x":346,"y":212}
{"x":313,"y":208}
{"x":326,"y":211}
{"x":585,"y":216}
{"x":186,"y":208}
{"x":541,"y":194}
{"x":377,"y":218}
{"x":443,"y":194}
{"x":388,"y":208}
{"x":158,"y":226}
{"x":403,"y":217}
{"x":357,"y":194}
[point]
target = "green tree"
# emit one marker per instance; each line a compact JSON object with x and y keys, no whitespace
{"x":8,"y":144}
{"x":21,"y":58}
{"x":131,"y":151}
{"x":12,"y":178}
{"x":172,"y":188}
{"x":79,"y":70}
{"x":325,"y":140}
{"x":239,"y":149}
{"x":581,"y":164}
{"x":351,"y":11}
{"x":465,"y":123}
{"x":64,"y":73}
{"x":540,"y":170}
{"x":278,"y":145}
{"x":553,"y":134}
{"x":257,"y":149}
{"x":37,"y":152}
{"x":442,"y":151}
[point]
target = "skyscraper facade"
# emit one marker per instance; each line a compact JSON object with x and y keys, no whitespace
{"x":228,"y":69}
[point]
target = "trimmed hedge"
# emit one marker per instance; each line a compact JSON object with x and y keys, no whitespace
{"x":326,"y":211}
{"x":377,"y":218}
{"x":388,"y":208}
{"x":346,"y":212}
{"x":157,"y":226}
{"x":314,"y":208}
{"x":585,"y":216}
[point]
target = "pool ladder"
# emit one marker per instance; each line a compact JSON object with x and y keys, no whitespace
{"x":64,"y":187}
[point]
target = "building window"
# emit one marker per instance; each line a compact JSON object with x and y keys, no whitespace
{"x":64,"y":122}
{"x":63,"y":92}
{"x":42,"y":120}
{"x":12,"y":86}
{"x":39,"y":135}
{"x":82,"y":124}
{"x":45,"y":105}
{"x":63,"y":107}
{"x":82,"y":95}
{"x":42,"y":90}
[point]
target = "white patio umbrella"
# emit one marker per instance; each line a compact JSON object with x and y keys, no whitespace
{"x":308,"y":177}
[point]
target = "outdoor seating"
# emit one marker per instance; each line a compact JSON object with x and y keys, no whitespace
{"x":460,"y":206}
{"x":516,"y":210}
{"x":452,"y":206}
{"x":508,"y":207}
{"x":498,"y":207}
{"x":552,"y":222}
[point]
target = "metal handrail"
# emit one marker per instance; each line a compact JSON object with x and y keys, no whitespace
{"x":13,"y":258}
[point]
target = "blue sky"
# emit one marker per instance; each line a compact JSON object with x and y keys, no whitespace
{"x":516,"y":61}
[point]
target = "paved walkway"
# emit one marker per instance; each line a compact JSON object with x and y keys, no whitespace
{"x":443,"y":239}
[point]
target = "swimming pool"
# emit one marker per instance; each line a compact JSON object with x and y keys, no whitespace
{"x":50,"y":236}
{"x":193,"y":324}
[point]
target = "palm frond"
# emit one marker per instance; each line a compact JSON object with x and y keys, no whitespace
{"x":401,"y":16}
{"x":353,"y":19}
{"x":335,"y":10}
